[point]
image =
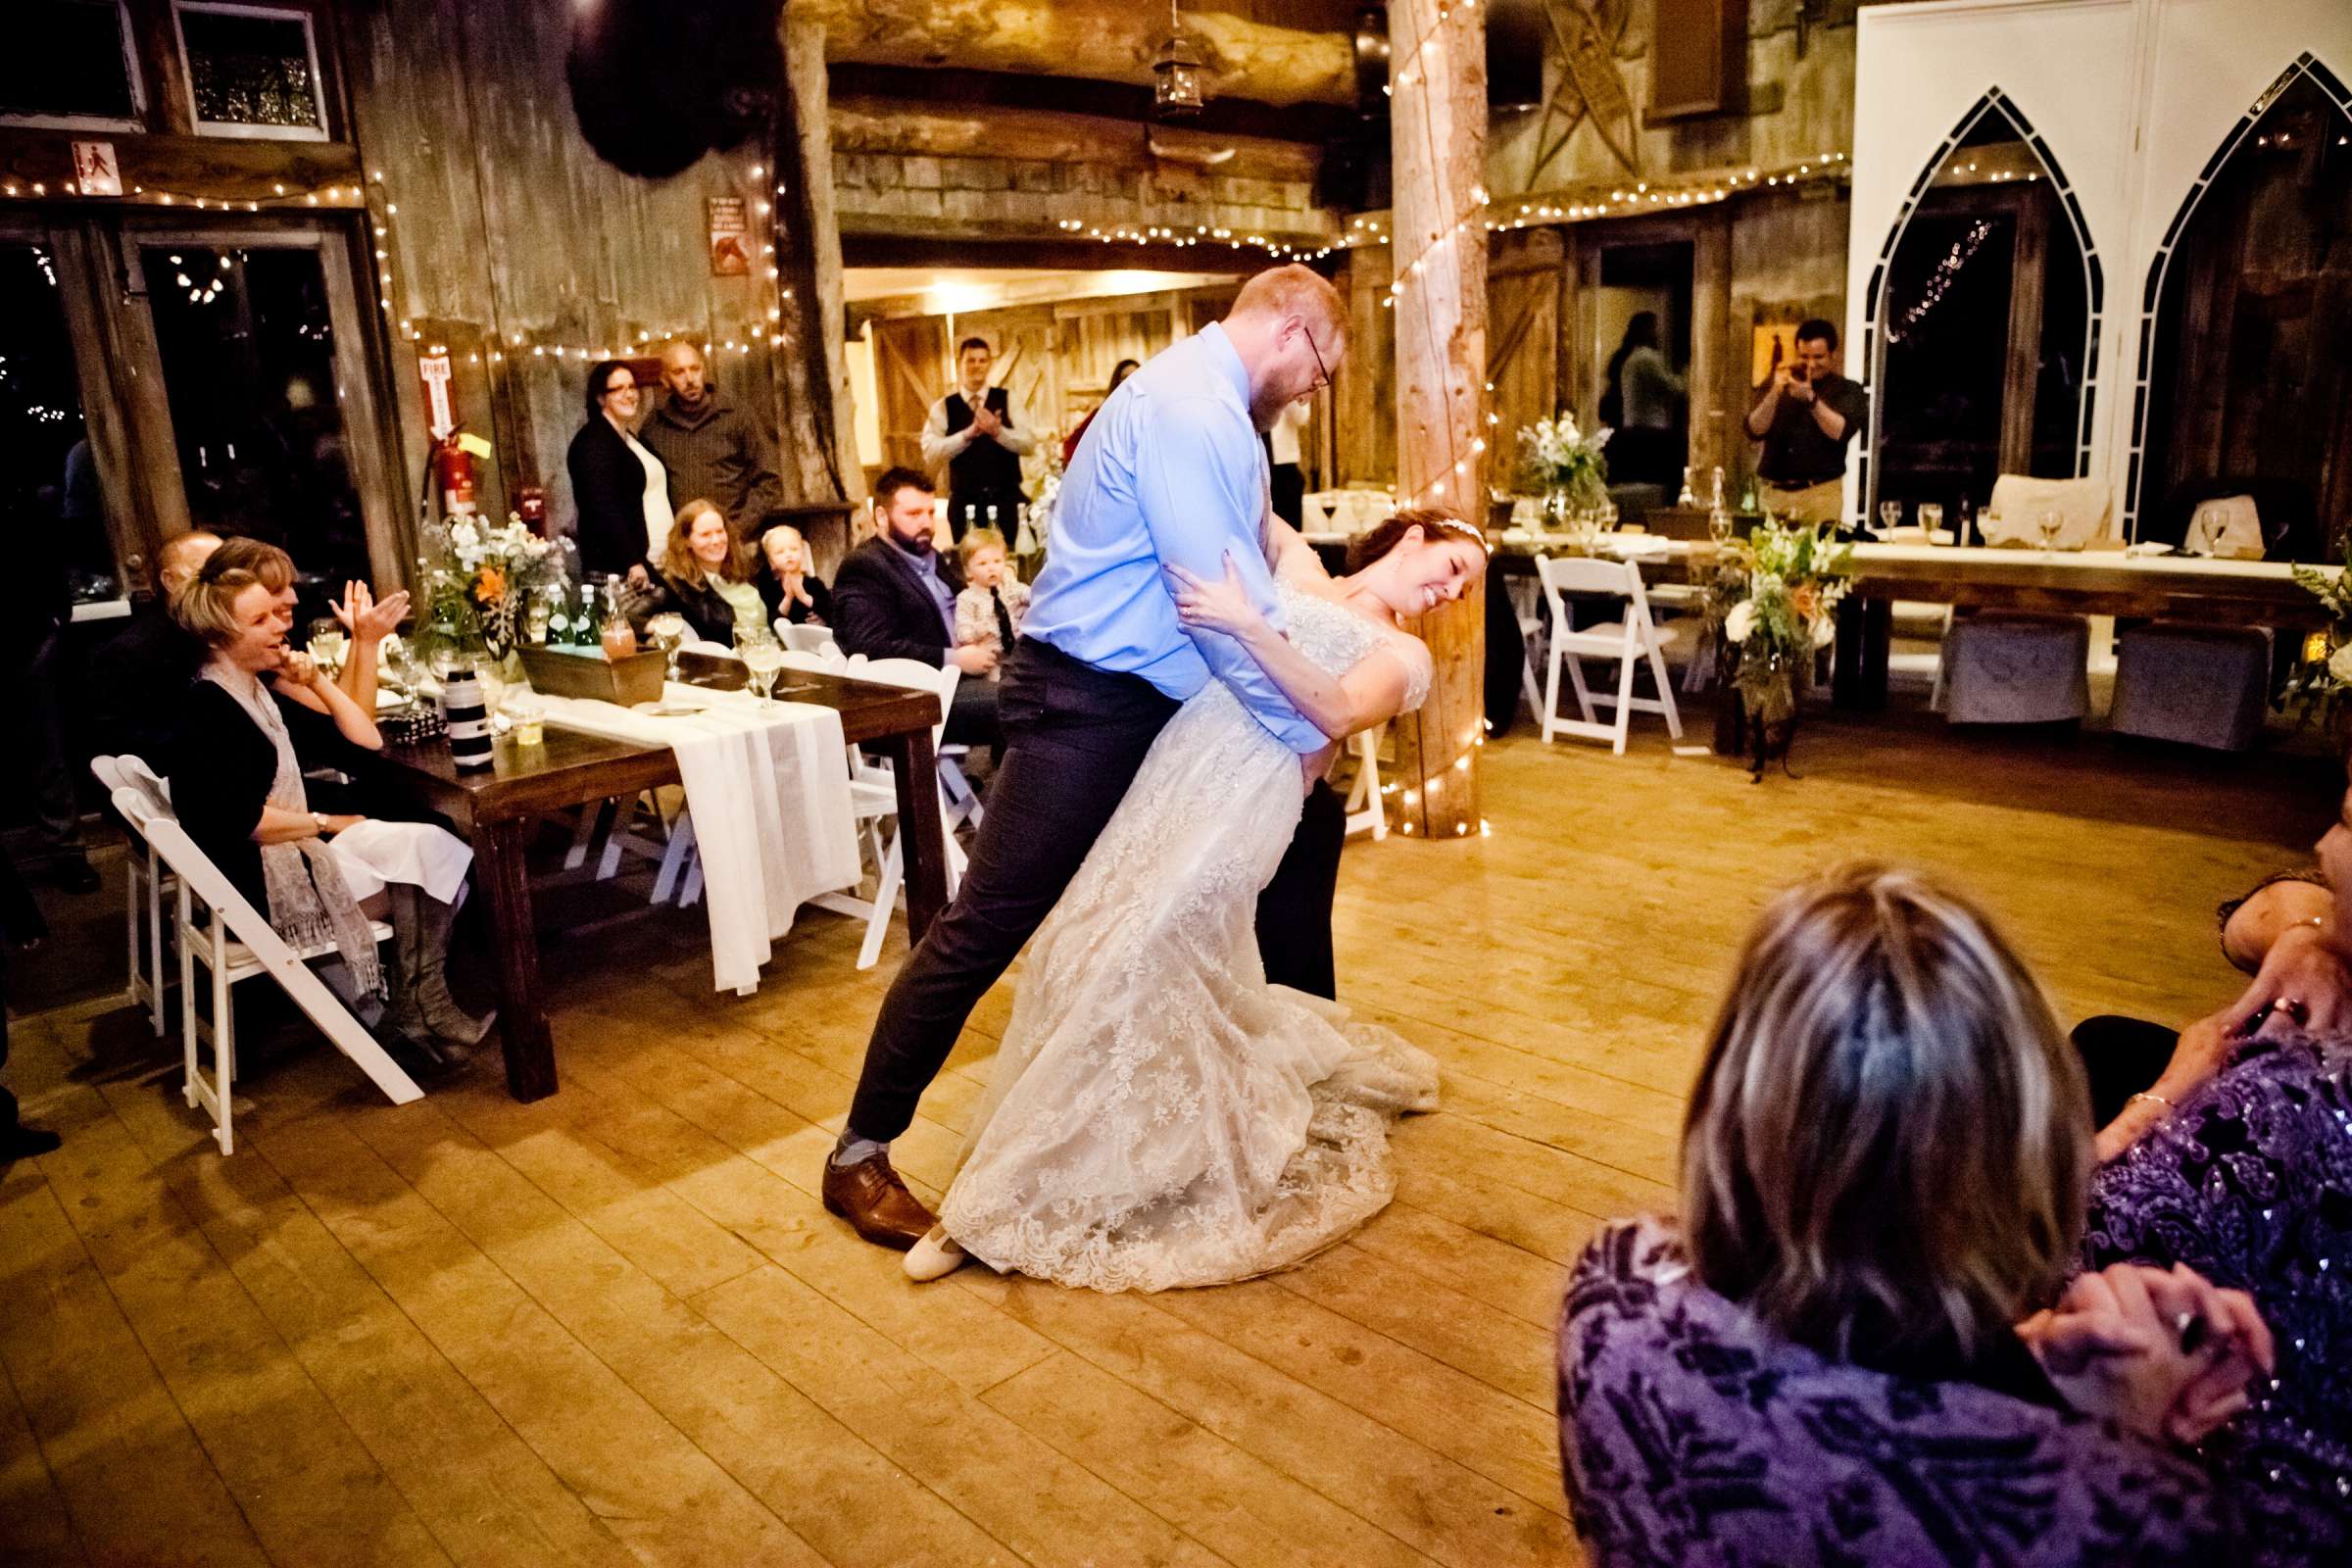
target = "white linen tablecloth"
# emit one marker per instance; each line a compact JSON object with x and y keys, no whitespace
{"x":769,"y":791}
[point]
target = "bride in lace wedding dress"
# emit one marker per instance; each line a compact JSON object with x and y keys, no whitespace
{"x":1159,"y":1116}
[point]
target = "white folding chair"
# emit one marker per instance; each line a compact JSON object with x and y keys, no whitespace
{"x":1629,"y":640}
{"x":1365,"y":813}
{"x":874,"y":800}
{"x":802,"y":639}
{"x":1527,"y":606}
{"x":142,"y":910}
{"x":235,"y":944}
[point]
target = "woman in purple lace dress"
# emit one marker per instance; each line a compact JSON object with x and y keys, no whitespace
{"x":2237,"y":1163}
{"x":1839,"y":1362}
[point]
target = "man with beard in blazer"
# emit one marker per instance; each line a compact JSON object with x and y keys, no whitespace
{"x":895,"y":597}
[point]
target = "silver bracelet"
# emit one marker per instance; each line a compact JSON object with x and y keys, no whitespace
{"x":2157,"y":1098}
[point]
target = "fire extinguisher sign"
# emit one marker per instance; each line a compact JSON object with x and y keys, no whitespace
{"x":441,"y":407}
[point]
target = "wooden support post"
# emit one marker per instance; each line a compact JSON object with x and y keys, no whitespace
{"x":823,"y":322}
{"x":1438,"y":130}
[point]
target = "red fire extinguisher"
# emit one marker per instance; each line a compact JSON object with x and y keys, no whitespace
{"x":453,"y":474}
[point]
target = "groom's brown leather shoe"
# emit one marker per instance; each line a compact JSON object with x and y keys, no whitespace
{"x":870,"y":1197}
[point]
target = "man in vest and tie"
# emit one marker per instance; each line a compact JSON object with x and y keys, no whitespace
{"x":973,"y":431}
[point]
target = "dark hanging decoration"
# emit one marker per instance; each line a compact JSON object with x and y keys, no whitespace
{"x":658,"y":84}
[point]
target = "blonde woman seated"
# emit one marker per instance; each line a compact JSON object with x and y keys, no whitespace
{"x":706,"y":578}
{"x":237,"y":787}
{"x":1859,"y":1345}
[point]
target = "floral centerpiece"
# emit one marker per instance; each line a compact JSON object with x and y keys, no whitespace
{"x":479,"y":578}
{"x":1566,"y":464}
{"x":1773,"y":607}
{"x":2321,"y":688}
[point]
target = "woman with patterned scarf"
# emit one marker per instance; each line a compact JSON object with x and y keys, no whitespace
{"x":237,"y":787}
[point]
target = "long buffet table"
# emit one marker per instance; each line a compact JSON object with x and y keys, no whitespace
{"x":2112,"y":582}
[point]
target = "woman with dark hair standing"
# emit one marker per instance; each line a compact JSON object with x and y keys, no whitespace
{"x":1118,"y":372}
{"x":619,"y":488}
{"x":1641,"y":403}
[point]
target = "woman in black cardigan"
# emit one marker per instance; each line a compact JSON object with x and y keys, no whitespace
{"x":620,"y":489}
{"x":237,"y":787}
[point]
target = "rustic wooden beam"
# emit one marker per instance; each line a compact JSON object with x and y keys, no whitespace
{"x":1437,"y":123}
{"x":807,"y":98}
{"x":216,"y":168}
{"x":1109,"y":40}
{"x":890,"y":242}
{"x":987,"y":130}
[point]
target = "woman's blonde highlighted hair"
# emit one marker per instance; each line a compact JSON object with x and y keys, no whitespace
{"x":1890,"y":1143}
{"x":206,"y":604}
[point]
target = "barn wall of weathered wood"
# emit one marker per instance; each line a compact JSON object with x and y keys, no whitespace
{"x":1597,"y":122}
{"x":1053,"y":357}
{"x":510,"y":243}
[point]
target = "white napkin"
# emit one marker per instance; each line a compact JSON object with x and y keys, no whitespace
{"x":770,"y":798}
{"x":421,"y":854}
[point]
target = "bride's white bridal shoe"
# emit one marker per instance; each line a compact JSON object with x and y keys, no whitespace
{"x":935,"y":1256}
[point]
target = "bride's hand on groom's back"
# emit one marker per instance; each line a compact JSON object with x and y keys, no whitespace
{"x":1202,"y":604}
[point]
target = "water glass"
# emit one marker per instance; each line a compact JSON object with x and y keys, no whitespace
{"x":669,"y":635}
{"x":328,"y":643}
{"x":763,"y":656}
{"x":1930,"y":519}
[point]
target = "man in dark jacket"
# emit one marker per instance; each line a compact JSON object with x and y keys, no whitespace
{"x":712,"y":449}
{"x":895,"y":597}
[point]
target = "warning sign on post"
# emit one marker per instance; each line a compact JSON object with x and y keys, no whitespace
{"x":440,"y":404}
{"x":730,"y":248}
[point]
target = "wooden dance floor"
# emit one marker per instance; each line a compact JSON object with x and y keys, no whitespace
{"x":614,"y":1326}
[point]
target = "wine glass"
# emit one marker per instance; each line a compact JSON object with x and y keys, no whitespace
{"x":2048,"y":524}
{"x":328,"y":643}
{"x":1890,"y":518}
{"x":1930,"y":519}
{"x":763,"y":657}
{"x":669,"y":630}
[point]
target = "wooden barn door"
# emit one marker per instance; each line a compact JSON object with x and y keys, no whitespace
{"x":910,"y":373}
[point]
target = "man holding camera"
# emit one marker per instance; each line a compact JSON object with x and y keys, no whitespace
{"x":1805,"y":415}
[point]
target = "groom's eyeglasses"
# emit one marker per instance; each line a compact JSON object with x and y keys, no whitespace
{"x":1322,"y":371}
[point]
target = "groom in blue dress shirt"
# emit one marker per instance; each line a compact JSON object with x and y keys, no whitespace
{"x":1170,"y":472}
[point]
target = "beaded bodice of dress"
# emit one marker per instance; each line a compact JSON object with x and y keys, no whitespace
{"x":1338,"y":639}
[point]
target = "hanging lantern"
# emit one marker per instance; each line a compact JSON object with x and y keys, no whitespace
{"x":1176,"y":73}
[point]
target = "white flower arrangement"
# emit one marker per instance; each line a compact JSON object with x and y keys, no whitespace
{"x":479,"y":576}
{"x":1555,"y":457}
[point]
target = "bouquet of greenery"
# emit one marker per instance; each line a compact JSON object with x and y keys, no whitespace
{"x":1773,"y":606}
{"x":2321,"y":688}
{"x":1564,"y":464}
{"x":478,"y":579}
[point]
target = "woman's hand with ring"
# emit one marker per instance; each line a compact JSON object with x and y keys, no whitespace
{"x":1202,"y":604}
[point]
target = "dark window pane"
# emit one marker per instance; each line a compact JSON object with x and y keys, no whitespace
{"x":250,"y":70}
{"x":75,"y":64}
{"x":48,"y":486}
{"x":249,"y":367}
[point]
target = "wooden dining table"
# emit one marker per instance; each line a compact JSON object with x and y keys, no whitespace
{"x":499,"y":807}
{"x":2166,"y":587}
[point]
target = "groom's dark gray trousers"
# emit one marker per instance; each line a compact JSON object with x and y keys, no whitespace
{"x":1074,"y":737}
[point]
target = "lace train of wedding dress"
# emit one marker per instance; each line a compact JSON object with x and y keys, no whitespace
{"x":1160,"y":1116}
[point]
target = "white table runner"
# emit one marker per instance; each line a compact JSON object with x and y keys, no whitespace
{"x":769,"y":790}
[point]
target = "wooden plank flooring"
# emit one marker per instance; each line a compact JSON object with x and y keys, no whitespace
{"x":617,"y":1326}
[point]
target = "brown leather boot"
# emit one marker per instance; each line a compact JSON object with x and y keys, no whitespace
{"x":870,"y":1197}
